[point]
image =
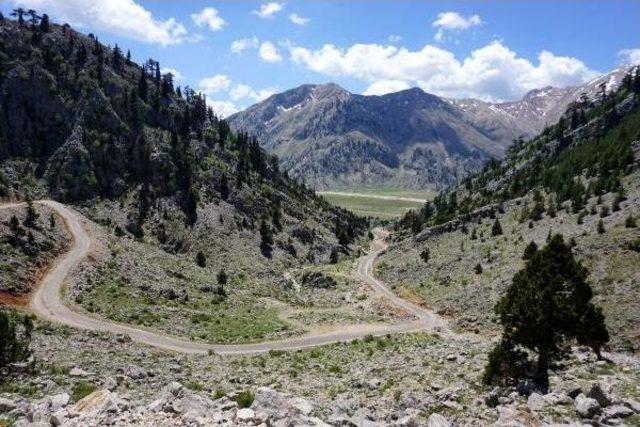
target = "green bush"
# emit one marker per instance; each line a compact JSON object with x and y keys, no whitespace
{"x":81,"y":390}
{"x":244,"y":399}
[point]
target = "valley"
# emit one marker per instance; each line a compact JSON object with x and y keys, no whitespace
{"x":381,"y":203}
{"x":321,"y":257}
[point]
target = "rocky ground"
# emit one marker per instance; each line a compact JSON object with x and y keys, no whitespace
{"x":448,"y":282}
{"x":408,"y":380}
{"x":25,"y":258}
{"x":134,"y":281}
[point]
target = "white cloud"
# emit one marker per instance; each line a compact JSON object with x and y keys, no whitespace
{"x":394,"y":38}
{"x":269,"y":10}
{"x":223,"y":108}
{"x":297,"y":19}
{"x":269,"y":52}
{"x":493,"y":72}
{"x":455,"y":22}
{"x":215,"y":84}
{"x":630,"y":56}
{"x":209,"y":17}
{"x":238,"y":46}
{"x":220,"y":86}
{"x":177,"y":75}
{"x":124,"y":18}
{"x":382,"y":87}
{"x":242,"y":91}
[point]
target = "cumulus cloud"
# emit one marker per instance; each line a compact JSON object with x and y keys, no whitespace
{"x":246,"y":92}
{"x":382,"y":87}
{"x":177,"y":75}
{"x":269,"y":52}
{"x":209,"y":17}
{"x":630,"y":56}
{"x":220,"y":86}
{"x":493,"y":72}
{"x":394,"y":38}
{"x":268,"y":10}
{"x":223,"y":108}
{"x":239,"y":46}
{"x":215,"y":84}
{"x":124,"y":18}
{"x":455,"y":22}
{"x":297,"y":19}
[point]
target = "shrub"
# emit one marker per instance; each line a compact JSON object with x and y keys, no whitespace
{"x":530,"y":250}
{"x":630,"y":222}
{"x":600,"y":227}
{"x":478,"y":269}
{"x":15,"y":338}
{"x":496,"y":229}
{"x":82,"y":389}
{"x":425,"y":255}
{"x":244,"y":399}
{"x":201,"y":259}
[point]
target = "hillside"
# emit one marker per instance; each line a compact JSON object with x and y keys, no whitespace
{"x":332,"y":138}
{"x":579,"y":178}
{"x":81,"y":123}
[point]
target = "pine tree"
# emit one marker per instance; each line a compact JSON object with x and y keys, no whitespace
{"x":496,"y":229}
{"x":600,"y":227}
{"x":266,"y":237}
{"x":548,"y":304}
{"x":530,"y":250}
{"x":44,"y":23}
{"x":201,"y":259}
{"x":142,"y":86}
{"x":425,"y":255}
{"x":224,"y":187}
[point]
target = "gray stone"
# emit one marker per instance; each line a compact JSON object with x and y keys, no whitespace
{"x":536,"y":402}
{"x":7,"y":405}
{"x":245,"y":415}
{"x":617,"y":411}
{"x":59,"y":401}
{"x":602,"y":393}
{"x":632,"y":404}
{"x":303,"y":406}
{"x":437,"y":420}
{"x":586,"y":407}
{"x":78,"y":372}
{"x":59,"y":417}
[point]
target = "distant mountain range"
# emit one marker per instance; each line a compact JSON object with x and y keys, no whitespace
{"x":332,"y":138}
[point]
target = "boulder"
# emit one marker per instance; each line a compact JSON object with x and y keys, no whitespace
{"x":587,"y":407}
{"x":602,"y":393}
{"x":617,"y":412}
{"x":536,"y":402}
{"x":632,"y":404}
{"x":7,"y":405}
{"x":245,"y":415}
{"x":59,"y":401}
{"x":437,"y":420}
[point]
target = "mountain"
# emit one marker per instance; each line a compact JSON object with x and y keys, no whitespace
{"x":83,"y":124}
{"x":332,"y":138}
{"x":538,"y":109}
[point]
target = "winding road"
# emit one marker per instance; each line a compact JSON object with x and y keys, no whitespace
{"x":47,"y":302}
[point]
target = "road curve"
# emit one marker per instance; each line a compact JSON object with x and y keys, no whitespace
{"x":47,"y":302}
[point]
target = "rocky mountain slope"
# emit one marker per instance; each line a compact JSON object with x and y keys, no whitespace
{"x":332,"y":138}
{"x":82,"y":123}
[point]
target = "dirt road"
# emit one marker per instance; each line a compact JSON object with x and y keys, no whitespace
{"x":48,"y":303}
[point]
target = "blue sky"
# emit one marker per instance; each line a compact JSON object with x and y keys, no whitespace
{"x":488,"y":50}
